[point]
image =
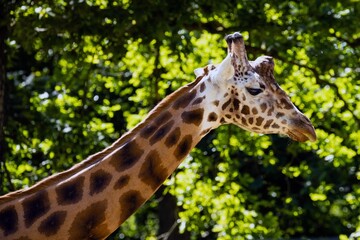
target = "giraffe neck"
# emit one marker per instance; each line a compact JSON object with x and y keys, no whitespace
{"x":93,"y":198}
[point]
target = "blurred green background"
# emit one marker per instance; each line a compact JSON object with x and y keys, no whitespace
{"x":76,"y":75}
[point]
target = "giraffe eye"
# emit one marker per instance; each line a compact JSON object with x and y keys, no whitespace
{"x":254,"y":91}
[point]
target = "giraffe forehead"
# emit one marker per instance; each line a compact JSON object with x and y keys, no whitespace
{"x":247,"y":79}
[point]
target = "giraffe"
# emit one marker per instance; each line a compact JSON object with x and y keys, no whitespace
{"x":93,"y":198}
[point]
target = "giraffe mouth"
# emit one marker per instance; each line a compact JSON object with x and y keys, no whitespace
{"x":302,"y":133}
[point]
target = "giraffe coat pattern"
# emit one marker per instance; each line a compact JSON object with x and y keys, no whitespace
{"x":94,"y":197}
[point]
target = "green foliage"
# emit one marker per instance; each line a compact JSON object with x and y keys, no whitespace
{"x":80,"y":73}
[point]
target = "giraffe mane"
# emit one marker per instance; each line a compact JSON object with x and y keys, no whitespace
{"x":50,"y":180}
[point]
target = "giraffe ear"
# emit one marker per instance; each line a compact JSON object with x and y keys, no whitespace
{"x":199,"y":72}
{"x":225,"y":70}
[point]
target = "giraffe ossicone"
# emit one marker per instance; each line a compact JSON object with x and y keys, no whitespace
{"x":93,"y":198}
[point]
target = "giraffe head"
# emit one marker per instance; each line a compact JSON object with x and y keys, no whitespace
{"x":253,"y":100}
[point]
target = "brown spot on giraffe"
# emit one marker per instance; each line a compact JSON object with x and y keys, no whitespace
{"x":206,"y":70}
{"x":254,"y":110}
{"x":251,"y":120}
{"x":202,"y":87}
{"x":193,"y":116}
{"x":122,"y":182}
{"x":163,"y":118}
{"x":216,"y":103}
{"x":183,"y":147}
{"x":173,"y":137}
{"x":161,"y":132}
{"x":35,"y":207}
{"x":126,"y":156}
{"x":198,"y":100}
{"x":212,"y":117}
{"x":51,"y":225}
{"x":271,"y":110}
{"x":9,"y":220}
{"x":267,"y":124}
{"x":245,"y":110}
{"x":199,"y":78}
{"x":184,"y":100}
{"x":226,"y":104}
{"x":90,"y":222}
{"x":129,"y":202}
{"x":279,"y":115}
{"x":259,"y":121}
{"x":236,"y":103}
{"x":70,"y":192}
{"x":286,"y":104}
{"x":243,"y":121}
{"x":149,"y":130}
{"x":152,"y":172}
{"x":276,"y":126}
{"x":263,"y":107}
{"x":99,"y":180}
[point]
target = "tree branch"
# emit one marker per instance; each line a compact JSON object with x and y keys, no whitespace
{"x":354,"y":43}
{"x":165,"y":236}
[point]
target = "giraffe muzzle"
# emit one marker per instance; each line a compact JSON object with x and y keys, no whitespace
{"x":302,"y":130}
